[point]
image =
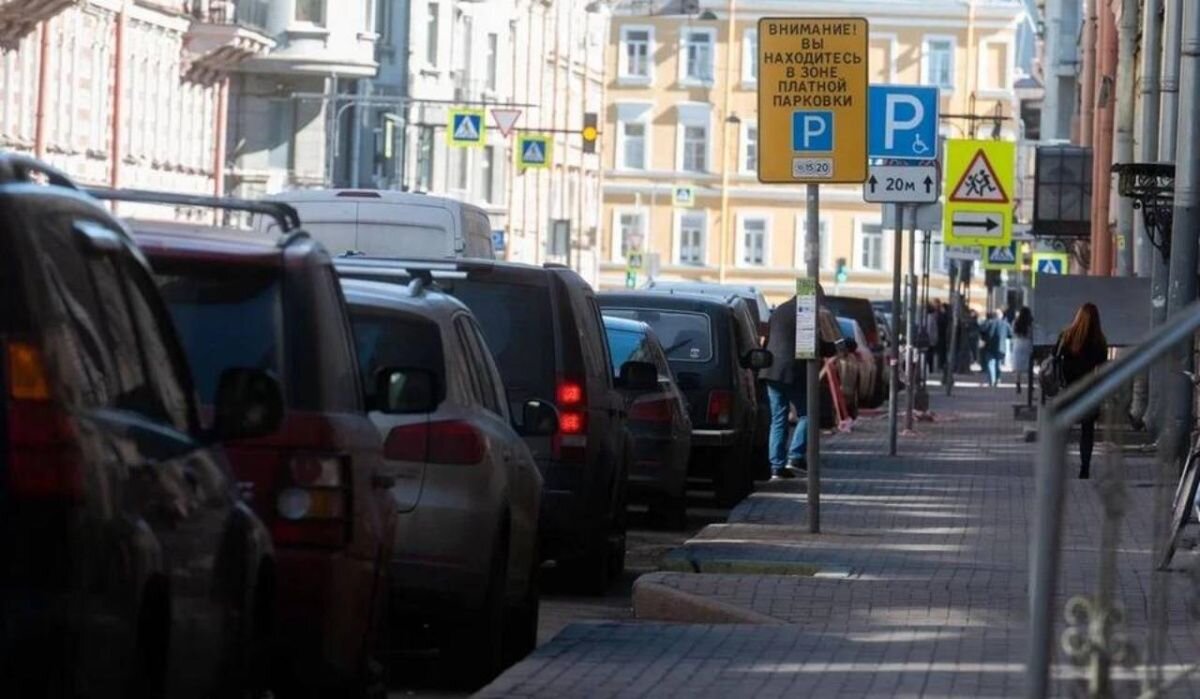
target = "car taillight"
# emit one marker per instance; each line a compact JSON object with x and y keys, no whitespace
{"x":570,"y":444}
{"x":43,"y":452}
{"x":720,"y":407}
{"x":656,"y":410}
{"x":569,"y":393}
{"x":444,"y":442}
{"x":313,"y":506}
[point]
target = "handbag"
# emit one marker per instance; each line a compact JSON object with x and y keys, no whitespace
{"x":1050,"y":373}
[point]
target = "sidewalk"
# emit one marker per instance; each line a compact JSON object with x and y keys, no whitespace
{"x":916,"y":587}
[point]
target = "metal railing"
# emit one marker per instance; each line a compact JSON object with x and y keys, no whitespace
{"x":1057,"y":418}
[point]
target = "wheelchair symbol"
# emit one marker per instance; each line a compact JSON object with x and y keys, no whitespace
{"x":918,"y":146}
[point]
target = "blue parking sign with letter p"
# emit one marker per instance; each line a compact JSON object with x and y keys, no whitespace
{"x":812,"y":132}
{"x":903,"y":123}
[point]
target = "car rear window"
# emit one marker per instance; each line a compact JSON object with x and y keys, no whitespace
{"x":390,"y":340}
{"x":628,"y":346}
{"x":847,"y":327}
{"x":685,"y":337}
{"x":516,"y":320}
{"x":226,"y":317}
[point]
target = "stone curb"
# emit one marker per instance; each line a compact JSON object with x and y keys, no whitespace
{"x":657,"y":602}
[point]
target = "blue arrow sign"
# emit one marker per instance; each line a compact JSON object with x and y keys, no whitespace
{"x":903,"y":122}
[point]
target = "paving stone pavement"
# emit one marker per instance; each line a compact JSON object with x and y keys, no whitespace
{"x":917,"y":585}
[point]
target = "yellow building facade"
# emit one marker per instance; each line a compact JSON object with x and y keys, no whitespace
{"x":681,"y":130}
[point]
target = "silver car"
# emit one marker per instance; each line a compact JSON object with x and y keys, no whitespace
{"x":465,"y":485}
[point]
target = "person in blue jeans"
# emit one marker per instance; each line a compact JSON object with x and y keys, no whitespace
{"x":995,"y":334}
{"x":787,"y":382}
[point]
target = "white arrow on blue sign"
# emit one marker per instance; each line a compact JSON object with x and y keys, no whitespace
{"x":903,"y":122}
{"x":1050,"y":266}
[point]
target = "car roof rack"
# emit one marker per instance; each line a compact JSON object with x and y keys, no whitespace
{"x":18,"y":167}
{"x":283,"y":214}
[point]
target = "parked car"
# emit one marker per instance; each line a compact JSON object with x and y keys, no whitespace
{"x":751,"y":335}
{"x":466,"y":488}
{"x":861,"y":311}
{"x":756,"y":301}
{"x":130,"y":566}
{"x":714,"y":364}
{"x":544,"y":329}
{"x":389,"y":223}
{"x":864,"y":387}
{"x":658,"y":421}
{"x":241,"y":299}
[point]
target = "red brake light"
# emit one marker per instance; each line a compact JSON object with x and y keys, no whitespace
{"x":658,"y":410}
{"x":720,"y":407}
{"x":444,"y":442}
{"x":572,"y":422}
{"x":569,"y":393}
{"x":43,"y":458}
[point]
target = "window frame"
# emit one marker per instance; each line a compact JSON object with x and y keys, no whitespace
{"x":685,"y":35}
{"x":744,"y":147}
{"x":433,"y":34}
{"x":634,"y":112}
{"x":983,"y":67}
{"x":740,"y":249}
{"x":926,"y":55}
{"x":825,"y":251}
{"x":750,"y":57}
{"x":617,"y":240}
{"x":323,"y":22}
{"x":677,"y":238}
{"x":693,"y":114}
{"x":859,"y":239}
{"x":624,"y":76}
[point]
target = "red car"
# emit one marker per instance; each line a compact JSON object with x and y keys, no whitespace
{"x":241,"y":299}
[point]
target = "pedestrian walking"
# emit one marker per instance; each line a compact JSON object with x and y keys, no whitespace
{"x":1081,"y":348}
{"x":993,"y":336}
{"x":1022,"y":344}
{"x":943,"y":333}
{"x":787,"y":384}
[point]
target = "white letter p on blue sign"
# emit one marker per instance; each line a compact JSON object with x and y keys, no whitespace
{"x":812,"y":132}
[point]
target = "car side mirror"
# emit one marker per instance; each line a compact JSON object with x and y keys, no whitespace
{"x":248,"y":404}
{"x":757,"y":359}
{"x":538,"y":419}
{"x":638,"y":376}
{"x":405,"y":391}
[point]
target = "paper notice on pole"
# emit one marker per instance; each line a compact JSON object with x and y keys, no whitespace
{"x":806,"y":318}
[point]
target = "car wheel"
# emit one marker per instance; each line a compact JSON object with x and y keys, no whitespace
{"x":249,"y":664}
{"x":521,"y":624}
{"x":481,"y":649}
{"x":731,"y":476}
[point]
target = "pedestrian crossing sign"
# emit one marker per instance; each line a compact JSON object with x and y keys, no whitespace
{"x":1049,"y":263}
{"x":533,"y":150}
{"x":466,"y":128}
{"x":1001,"y":256}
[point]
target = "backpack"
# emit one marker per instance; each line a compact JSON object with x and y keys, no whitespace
{"x":1051,"y":373}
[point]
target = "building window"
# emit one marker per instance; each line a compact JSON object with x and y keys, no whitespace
{"x":431,"y":34}
{"x":823,"y":250}
{"x":383,"y":22}
{"x":691,"y":239}
{"x":754,"y":242}
{"x":695,"y":148}
{"x":937,"y":254}
{"x":635,"y":52}
{"x":464,"y":26}
{"x":631,"y":234}
{"x":750,"y":148}
{"x":633,"y":145}
{"x":698,"y":55}
{"x":939,"y":63}
{"x":493,"y":57}
{"x":750,"y":57}
{"x":311,"y":11}
{"x":870,"y":247}
{"x":462,"y":168}
{"x":487,"y":171}
{"x":424,"y":158}
{"x":993,"y":66}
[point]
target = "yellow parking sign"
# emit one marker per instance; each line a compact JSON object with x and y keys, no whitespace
{"x":979,"y":187}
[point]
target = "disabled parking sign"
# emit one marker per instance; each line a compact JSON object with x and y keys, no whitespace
{"x":904,"y":122}
{"x":466,"y":128}
{"x":533,"y":150}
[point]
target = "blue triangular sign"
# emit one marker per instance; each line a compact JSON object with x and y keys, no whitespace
{"x":1048,"y":267}
{"x":466,"y":130}
{"x":534,"y":153}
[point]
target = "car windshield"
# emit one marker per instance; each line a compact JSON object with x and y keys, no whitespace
{"x":226,"y":317}
{"x":516,"y":323}
{"x":685,"y":337}
{"x":388,"y":340}
{"x":628,"y":346}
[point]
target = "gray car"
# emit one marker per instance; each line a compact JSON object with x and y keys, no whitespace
{"x":464,"y":483}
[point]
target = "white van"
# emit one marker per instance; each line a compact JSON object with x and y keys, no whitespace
{"x":387,"y":223}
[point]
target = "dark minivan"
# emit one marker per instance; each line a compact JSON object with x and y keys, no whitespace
{"x":545,"y":331}
{"x":130,"y":566}
{"x":715,"y":356}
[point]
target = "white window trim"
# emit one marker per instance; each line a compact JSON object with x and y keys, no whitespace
{"x":856,"y":254}
{"x":925,"y":80}
{"x":693,"y":114}
{"x":982,"y":67}
{"x":629,"y":112}
{"x":748,"y":58}
{"x":920,"y":249}
{"x":892,"y":41}
{"x":682,"y":55}
{"x":801,"y":226}
{"x":623,"y":75}
{"x":743,"y":144}
{"x":615,"y":238}
{"x":677,"y":237}
{"x":740,"y":241}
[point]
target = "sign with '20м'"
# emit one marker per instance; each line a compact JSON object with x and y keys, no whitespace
{"x":812,"y":99}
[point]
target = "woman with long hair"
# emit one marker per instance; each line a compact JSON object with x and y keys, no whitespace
{"x":1082,"y":348}
{"x":1022,"y":344}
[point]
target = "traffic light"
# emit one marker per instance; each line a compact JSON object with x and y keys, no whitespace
{"x":841,"y":270}
{"x":590,"y":131}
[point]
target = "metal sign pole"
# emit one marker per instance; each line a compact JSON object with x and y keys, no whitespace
{"x":912,"y":321}
{"x":894,"y":350}
{"x":812,"y":256}
{"x":952,"y":343}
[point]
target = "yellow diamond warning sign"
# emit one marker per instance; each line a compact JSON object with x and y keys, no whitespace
{"x":979,"y":182}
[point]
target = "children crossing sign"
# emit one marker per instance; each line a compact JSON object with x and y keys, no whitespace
{"x":1001,"y":256}
{"x":979,"y":185}
{"x":1049,"y":263}
{"x":533,"y":151}
{"x":466,"y":127}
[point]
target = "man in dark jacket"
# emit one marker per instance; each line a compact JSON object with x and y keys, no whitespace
{"x":787,"y":382}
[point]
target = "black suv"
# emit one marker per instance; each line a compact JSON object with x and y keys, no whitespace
{"x":545,"y":330}
{"x":711,"y":346}
{"x":130,"y":565}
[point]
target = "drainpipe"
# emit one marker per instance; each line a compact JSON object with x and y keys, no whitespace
{"x":118,"y":110}
{"x":1087,"y":95}
{"x":39,"y":125}
{"x":1127,"y":37}
{"x":1102,"y":142}
{"x":727,"y":232}
{"x":1051,"y":47}
{"x":1148,"y":106}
